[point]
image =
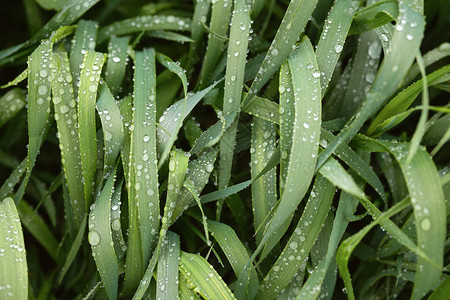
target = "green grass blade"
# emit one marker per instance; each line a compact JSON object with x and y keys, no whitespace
{"x":197,"y":30}
{"x":235,"y":252}
{"x":36,"y":225}
{"x":305,"y":137}
{"x":13,"y":179}
{"x":202,"y":275}
{"x":67,"y":123}
{"x":167,"y":274}
{"x":83,"y":41}
{"x":301,"y":241}
{"x":374,"y":16}
{"x":264,"y":189}
{"x":348,"y":245}
{"x":74,"y":248}
{"x":112,"y":127}
{"x":117,"y":63}
{"x":116,"y":226}
{"x":143,"y":195}
{"x":11,"y":103}
{"x":21,"y":77}
{"x":52,"y":4}
{"x":405,"y":44}
{"x":442,"y":290}
{"x":198,"y":174}
{"x":234,"y":80}
{"x":332,"y":39}
{"x":363,"y":72}
{"x":358,"y":165}
{"x":429,"y":58}
{"x":223,"y":193}
{"x":220,"y":17}
{"x":39,"y":66}
{"x":178,"y":166}
{"x":264,"y":109}
{"x":213,"y":134}
{"x":294,"y":21}
{"x":172,"y":120}
{"x":143,"y":23}
{"x":403,"y":100}
{"x":420,"y":129}
{"x":14,"y":270}
{"x":66,"y":16}
{"x":126,"y":114}
{"x":175,"y":68}
{"x":100,"y":239}
{"x":427,"y":199}
{"x":286,"y":120}
{"x":91,"y":69}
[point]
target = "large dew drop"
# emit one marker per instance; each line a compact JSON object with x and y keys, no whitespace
{"x":94,"y":238}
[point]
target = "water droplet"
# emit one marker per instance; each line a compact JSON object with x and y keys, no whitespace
{"x":293,"y":245}
{"x":209,"y":168}
{"x":43,"y":73}
{"x":236,"y":53}
{"x":281,"y":89}
{"x":316,"y":74}
{"x":172,"y":166}
{"x":40,"y":100}
{"x":146,"y":138}
{"x":150,"y":192}
{"x":116,"y":59}
{"x":94,"y":238}
{"x":63,"y":109}
{"x":93,"y":88}
{"x":338,"y":48}
{"x":274,"y":51}
{"x":233,"y":77}
{"x":409,"y":37}
{"x":306,"y":125}
{"x":42,"y":89}
{"x":374,"y":50}
{"x":115,"y":224}
{"x":425,"y":224}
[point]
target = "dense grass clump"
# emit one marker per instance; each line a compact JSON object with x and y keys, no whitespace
{"x":219,"y":149}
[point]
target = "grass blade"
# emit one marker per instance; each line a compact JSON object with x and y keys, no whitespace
{"x":100,"y":239}
{"x":91,"y":68}
{"x":117,"y":63}
{"x":264,"y":189}
{"x":234,"y":80}
{"x":220,"y":17}
{"x":35,"y":224}
{"x":10,"y":104}
{"x":332,"y":39}
{"x":142,"y":23}
{"x":67,"y":123}
{"x":172,"y":120}
{"x":294,"y":21}
{"x":389,"y":77}
{"x":235,"y":252}
{"x":306,"y":132}
{"x":112,"y":128}
{"x":143,"y":172}
{"x":200,"y":273}
{"x":302,"y":241}
{"x":83,"y":41}
{"x":14,"y":270}
{"x":167,"y":274}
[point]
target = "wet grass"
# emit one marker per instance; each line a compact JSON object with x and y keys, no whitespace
{"x":225,"y":150}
